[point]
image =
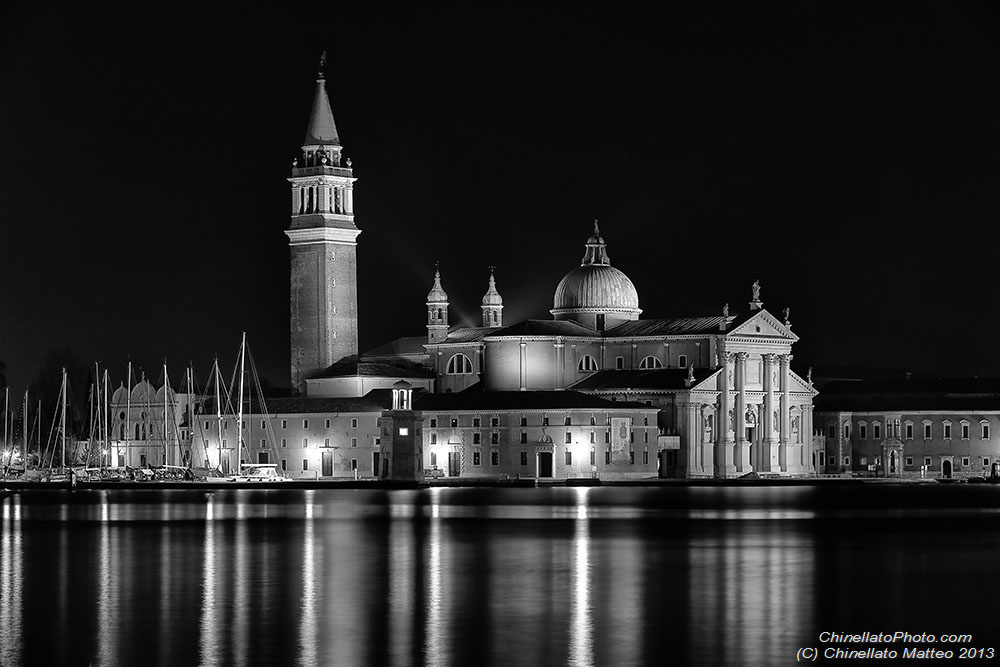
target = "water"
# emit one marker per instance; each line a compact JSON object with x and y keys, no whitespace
{"x":577,"y":576}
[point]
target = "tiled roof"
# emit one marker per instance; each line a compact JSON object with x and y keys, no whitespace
{"x":372,"y":369}
{"x":408,"y":345}
{"x":916,"y":394}
{"x":546,"y":328}
{"x":519,"y":400}
{"x":470,"y":334}
{"x":657,"y":378}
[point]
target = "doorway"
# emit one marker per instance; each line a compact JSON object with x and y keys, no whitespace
{"x":263,"y":457}
{"x":892,"y":463}
{"x":375,"y":462}
{"x":454,"y":464}
{"x":545,"y":464}
{"x":327,"y":470}
{"x":946,"y":469}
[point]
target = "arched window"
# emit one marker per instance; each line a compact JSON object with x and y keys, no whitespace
{"x":650,"y":362}
{"x":459,"y":364}
{"x":137,"y":431}
{"x":588,"y":364}
{"x":440,"y":317}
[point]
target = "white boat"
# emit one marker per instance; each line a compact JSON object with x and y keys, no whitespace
{"x":259,"y":472}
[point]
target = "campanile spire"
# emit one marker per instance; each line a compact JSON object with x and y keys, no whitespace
{"x":322,"y":239}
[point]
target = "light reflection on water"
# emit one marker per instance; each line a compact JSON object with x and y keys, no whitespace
{"x":581,"y":576}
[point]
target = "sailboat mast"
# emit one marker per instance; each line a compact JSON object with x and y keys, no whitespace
{"x":190,"y":412}
{"x":107,"y":418}
{"x":62,"y":419}
{"x":6,"y":450}
{"x":239,"y":418}
{"x":166,"y":388}
{"x":218,"y":410}
{"x":24,"y":428}
{"x":93,"y":425}
{"x":128,"y":416}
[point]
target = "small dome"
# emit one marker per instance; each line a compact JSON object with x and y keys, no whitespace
{"x":492,"y":296}
{"x":143,"y":393}
{"x":437,"y":293}
{"x":595,"y":286}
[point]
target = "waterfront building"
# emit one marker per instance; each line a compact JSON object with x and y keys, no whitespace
{"x":936,"y":428}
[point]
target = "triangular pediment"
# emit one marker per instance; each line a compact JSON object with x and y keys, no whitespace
{"x":763,"y":324}
{"x":710,"y":383}
{"x":795,"y":383}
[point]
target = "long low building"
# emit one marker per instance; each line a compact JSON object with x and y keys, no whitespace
{"x":936,"y":428}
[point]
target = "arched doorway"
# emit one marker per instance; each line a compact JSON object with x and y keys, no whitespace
{"x":946,"y":469}
{"x":892,"y":462}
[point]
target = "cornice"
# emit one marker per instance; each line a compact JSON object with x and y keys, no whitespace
{"x":314,"y":235}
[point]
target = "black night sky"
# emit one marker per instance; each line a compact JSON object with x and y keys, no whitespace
{"x":846,"y":159}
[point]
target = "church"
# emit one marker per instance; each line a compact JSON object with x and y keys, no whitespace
{"x":703,"y":396}
{"x":593,"y":391}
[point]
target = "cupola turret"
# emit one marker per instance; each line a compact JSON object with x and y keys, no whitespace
{"x":492,"y":304}
{"x":437,"y":311}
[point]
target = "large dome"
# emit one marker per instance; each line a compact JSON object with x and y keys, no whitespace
{"x":596,"y":288}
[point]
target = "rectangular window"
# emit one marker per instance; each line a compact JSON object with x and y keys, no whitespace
{"x":863,"y":460}
{"x":434,"y":438}
{"x":909,"y":460}
{"x":284,"y":464}
{"x":494,"y":422}
{"x":619,"y":363}
{"x":494,"y":438}
{"x":326,"y":442}
{"x":206,"y":426}
{"x":569,"y":458}
{"x":305,"y":464}
{"x":476,"y":422}
{"x":631,"y":436}
{"x":682,"y":360}
{"x":593,"y":457}
{"x":965,"y":461}
{"x":476,"y":457}
{"x":863,"y":431}
{"x":434,"y":422}
{"x":378,"y":441}
{"x":847,"y":460}
{"x":831,"y":431}
{"x":593,"y":437}
{"x":284,"y":442}
{"x":454,"y":423}
{"x":477,"y":438}
{"x":947,"y":431}
{"x":645,"y":457}
{"x":545,"y":421}
{"x":305,"y":442}
{"x":927,"y":460}
{"x":986,"y":462}
{"x":326,"y":423}
{"x":909,"y":431}
{"x":354,"y":423}
{"x":284,"y":423}
{"x":263,"y":424}
{"x":607,"y":457}
{"x":607,"y":436}
{"x":354,"y":464}
{"x":524,"y":458}
{"x":568,"y":421}
{"x":524,"y":438}
{"x":965,"y":431}
{"x":494,"y":458}
{"x":263,"y":443}
{"x":877,"y":431}
{"x":847,"y":431}
{"x":305,"y":423}
{"x":434,"y":460}
{"x":593,"y":420}
{"x":404,"y":430}
{"x":631,"y":457}
{"x":524,"y":421}
{"x":927,"y":431}
{"x":569,"y":438}
{"x":645,"y":436}
{"x":986,"y":431}
{"x":354,"y":442}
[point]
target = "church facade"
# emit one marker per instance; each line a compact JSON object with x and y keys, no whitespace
{"x":592,"y":391}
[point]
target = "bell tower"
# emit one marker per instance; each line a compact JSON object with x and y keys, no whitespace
{"x":322,"y":240}
{"x":437,"y":311}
